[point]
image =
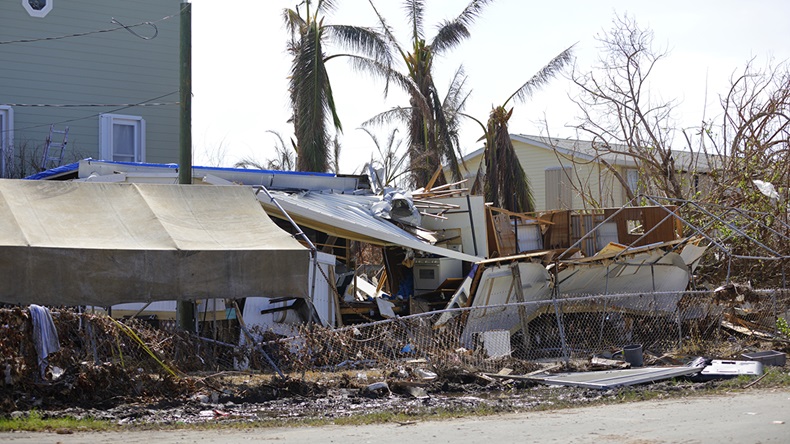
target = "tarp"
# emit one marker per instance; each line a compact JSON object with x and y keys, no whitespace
{"x":70,"y":243}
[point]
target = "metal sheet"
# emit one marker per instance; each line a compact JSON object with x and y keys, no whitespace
{"x":350,"y":216}
{"x":640,"y":274}
{"x":289,"y":180}
{"x":610,"y":379}
{"x":496,"y":289}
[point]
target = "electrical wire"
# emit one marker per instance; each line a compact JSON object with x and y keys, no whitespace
{"x":99,"y":31}
{"x":121,"y":108}
{"x":86,"y":105}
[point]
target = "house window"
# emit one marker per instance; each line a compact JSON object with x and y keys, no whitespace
{"x":559,"y":189}
{"x":632,"y":179}
{"x":37,"y":8}
{"x":122,"y":138}
{"x":6,"y":139}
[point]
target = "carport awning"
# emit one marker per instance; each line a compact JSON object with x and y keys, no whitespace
{"x":349,"y":216}
{"x":70,"y":243}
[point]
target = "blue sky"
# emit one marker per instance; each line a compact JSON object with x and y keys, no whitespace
{"x":240,"y":66}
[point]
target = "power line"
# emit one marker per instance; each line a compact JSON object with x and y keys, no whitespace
{"x":86,"y":105}
{"x":99,"y":31}
{"x":121,"y":108}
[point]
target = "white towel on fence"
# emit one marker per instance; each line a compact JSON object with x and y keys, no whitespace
{"x":45,"y":335}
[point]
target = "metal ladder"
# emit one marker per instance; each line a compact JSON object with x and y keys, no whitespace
{"x":54,"y":151}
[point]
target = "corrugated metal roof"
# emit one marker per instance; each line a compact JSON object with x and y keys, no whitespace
{"x":350,"y":217}
{"x":609,"y":379}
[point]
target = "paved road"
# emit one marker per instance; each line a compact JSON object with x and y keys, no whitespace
{"x":761,"y":416}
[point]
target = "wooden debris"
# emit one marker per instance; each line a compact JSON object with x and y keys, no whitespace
{"x":609,"y":363}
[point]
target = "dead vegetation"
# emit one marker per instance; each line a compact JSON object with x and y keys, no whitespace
{"x":104,"y":365}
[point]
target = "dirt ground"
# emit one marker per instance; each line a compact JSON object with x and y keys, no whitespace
{"x":265,"y":400}
{"x":756,"y":416}
{"x":234,"y":397}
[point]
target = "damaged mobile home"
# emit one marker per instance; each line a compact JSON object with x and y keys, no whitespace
{"x":441,"y":248}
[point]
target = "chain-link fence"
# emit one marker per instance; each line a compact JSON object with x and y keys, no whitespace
{"x":487,"y":338}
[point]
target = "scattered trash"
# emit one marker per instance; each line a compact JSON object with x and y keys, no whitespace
{"x":425,"y":374}
{"x":201,"y":398}
{"x":376,"y":390}
{"x":730,"y":369}
{"x":417,"y":392}
{"x":598,"y":361}
{"x":496,"y":343}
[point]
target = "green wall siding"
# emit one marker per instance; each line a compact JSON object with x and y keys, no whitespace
{"x":105,"y":68}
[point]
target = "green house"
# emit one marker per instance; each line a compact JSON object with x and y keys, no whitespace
{"x":105,"y":71}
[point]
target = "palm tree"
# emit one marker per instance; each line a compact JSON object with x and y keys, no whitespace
{"x":505,"y":183}
{"x":310,"y":88}
{"x":431,"y":136}
{"x":390,"y":166}
{"x":284,"y":160}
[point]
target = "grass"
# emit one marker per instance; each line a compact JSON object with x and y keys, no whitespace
{"x":35,"y":422}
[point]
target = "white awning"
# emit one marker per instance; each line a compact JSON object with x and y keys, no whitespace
{"x":70,"y":243}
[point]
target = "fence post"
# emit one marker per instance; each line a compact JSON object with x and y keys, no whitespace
{"x":555,"y":295}
{"x":522,"y":309}
{"x":680,"y":323}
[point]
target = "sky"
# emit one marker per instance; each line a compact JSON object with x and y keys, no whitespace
{"x":240,"y":65}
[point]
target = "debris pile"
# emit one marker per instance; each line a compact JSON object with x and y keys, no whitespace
{"x":100,"y":361}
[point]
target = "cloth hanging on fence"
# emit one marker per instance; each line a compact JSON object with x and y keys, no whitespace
{"x":45,"y":335}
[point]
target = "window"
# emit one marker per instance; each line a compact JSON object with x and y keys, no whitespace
{"x":37,"y":8}
{"x":6,"y":139}
{"x":632,"y":179}
{"x":122,"y":138}
{"x":559,"y":190}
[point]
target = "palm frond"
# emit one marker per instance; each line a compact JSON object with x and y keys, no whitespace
{"x":393,"y":115}
{"x":457,"y":94}
{"x":472,"y":11}
{"x":325,"y":6}
{"x":379,"y":70}
{"x":336,"y":148}
{"x":387,"y":31}
{"x":293,"y":21}
{"x":452,"y":32}
{"x":543,"y":76}
{"x":361,"y":40}
{"x":447,"y":140}
{"x":506,"y":184}
{"x":415,"y":12}
{"x":311,"y":95}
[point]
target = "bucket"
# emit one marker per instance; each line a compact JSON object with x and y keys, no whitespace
{"x":632,"y":354}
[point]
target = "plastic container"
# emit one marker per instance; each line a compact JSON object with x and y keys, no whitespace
{"x":632,"y":354}
{"x":769,"y":357}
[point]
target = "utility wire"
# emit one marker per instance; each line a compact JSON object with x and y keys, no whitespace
{"x":121,"y":108}
{"x":86,"y":105}
{"x":99,"y":31}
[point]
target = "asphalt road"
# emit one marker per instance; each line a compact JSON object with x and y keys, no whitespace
{"x":761,"y":416}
